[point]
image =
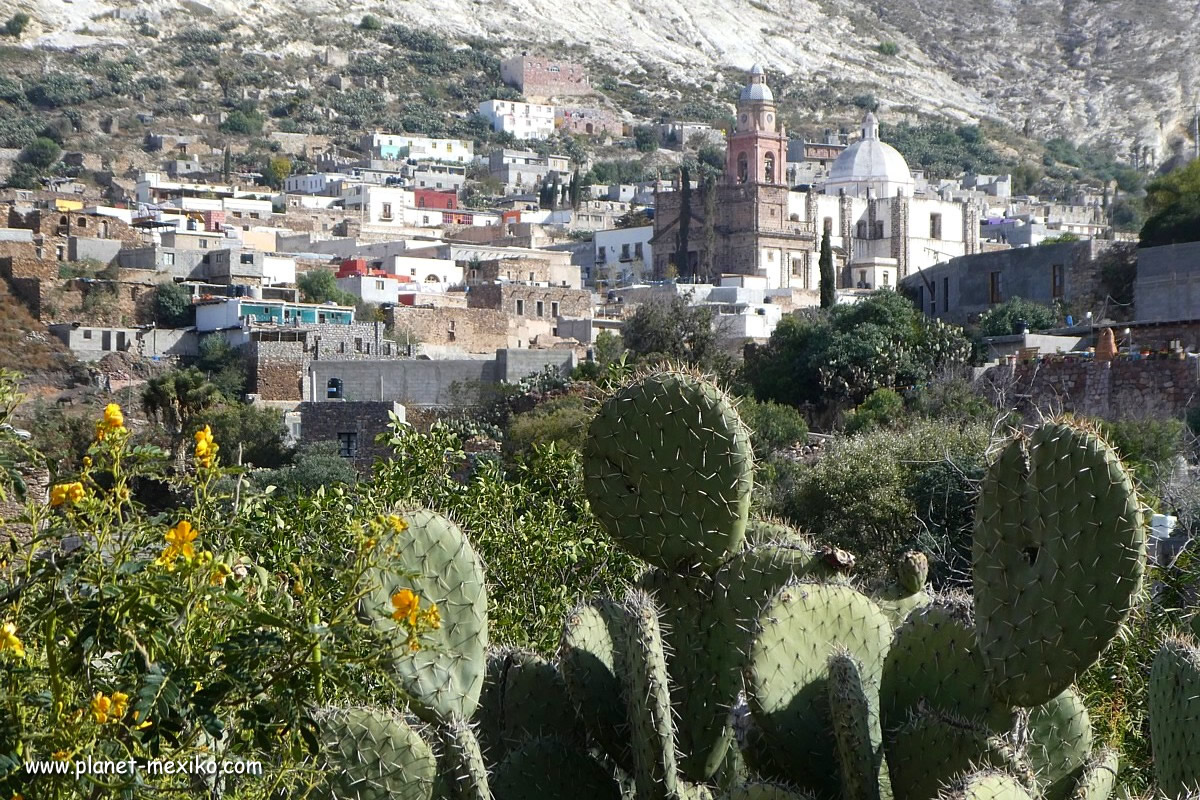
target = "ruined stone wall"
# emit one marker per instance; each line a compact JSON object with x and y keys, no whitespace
{"x":475,"y":330}
{"x":1120,"y":389}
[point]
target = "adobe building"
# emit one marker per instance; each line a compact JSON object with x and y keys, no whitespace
{"x":535,"y":76}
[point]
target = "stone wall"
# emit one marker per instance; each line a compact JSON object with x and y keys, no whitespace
{"x":475,"y":330}
{"x":1120,"y":389}
{"x":504,"y":297}
{"x":329,"y":422}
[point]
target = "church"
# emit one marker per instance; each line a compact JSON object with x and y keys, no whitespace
{"x":880,"y":228}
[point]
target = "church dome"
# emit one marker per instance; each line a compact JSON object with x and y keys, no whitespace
{"x":757,"y":91}
{"x":870,"y":164}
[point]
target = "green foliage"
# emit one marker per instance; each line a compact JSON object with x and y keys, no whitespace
{"x":370,"y":22}
{"x":943,"y":150}
{"x":671,"y":329}
{"x":772,"y":426}
{"x":1001,"y":320}
{"x":175,"y":399}
{"x":1173,"y":205}
{"x":888,"y":48}
{"x":828,"y":282}
{"x":17,"y":23}
{"x":883,"y":408}
{"x":609,"y":172}
{"x":222,"y":365}
{"x":1148,"y":446}
{"x":645,"y":138}
{"x":41,"y":153}
{"x":835,"y":359}
{"x":867,"y":102}
{"x":257,"y":430}
{"x":561,"y":421}
{"x":59,"y":90}
{"x":313,"y":465}
{"x":1062,"y":238}
{"x":320,"y":286}
{"x":870,"y":494}
{"x":173,"y":305}
{"x":248,"y":123}
{"x":1097,"y":163}
{"x":608,"y":347}
{"x":276,"y":170}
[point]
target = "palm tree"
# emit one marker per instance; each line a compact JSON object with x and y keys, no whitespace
{"x":175,"y":399}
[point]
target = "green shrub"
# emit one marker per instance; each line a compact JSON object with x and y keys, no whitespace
{"x":883,"y":408}
{"x":888,"y":48}
{"x":41,"y":153}
{"x":560,"y":420}
{"x":1001,"y":320}
{"x":773,"y":426}
{"x":370,"y":22}
{"x":645,"y":138}
{"x":173,"y":305}
{"x":244,"y":122}
{"x":258,"y":431}
{"x":314,"y":465}
{"x":1147,"y":446}
{"x":17,"y":23}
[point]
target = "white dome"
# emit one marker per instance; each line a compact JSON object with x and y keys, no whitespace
{"x":870,"y":164}
{"x":757,"y":91}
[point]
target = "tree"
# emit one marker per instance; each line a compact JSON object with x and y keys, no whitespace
{"x":276,"y":170}
{"x":1173,"y":205}
{"x":671,"y":329}
{"x":828,"y":283}
{"x":773,"y":426}
{"x":227,"y":164}
{"x":223,"y":365}
{"x":17,"y":23}
{"x":682,"y":240}
{"x":243,"y":122}
{"x":370,"y":22}
{"x":315,"y":465}
{"x":1002,"y":320}
{"x":173,"y":305}
{"x":635,"y":218}
{"x":645,"y":138}
{"x":708,"y":188}
{"x":259,"y":430}
{"x":42,"y":153}
{"x":576,"y":190}
{"x":608,"y":348}
{"x":320,"y":286}
{"x":175,"y":400}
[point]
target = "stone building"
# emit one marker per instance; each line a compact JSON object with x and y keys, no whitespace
{"x":536,"y":76}
{"x":354,"y":426}
{"x":588,"y":122}
{"x":753,"y":232}
{"x":1167,"y":287}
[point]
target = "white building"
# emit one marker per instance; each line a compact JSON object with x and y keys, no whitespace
{"x":431,"y":274}
{"x":278,"y":270}
{"x":621,"y":256}
{"x":399,"y":146}
{"x":321,"y":183}
{"x":522,"y":120}
{"x":372,"y":288}
{"x":870,"y":168}
{"x":378,"y":205}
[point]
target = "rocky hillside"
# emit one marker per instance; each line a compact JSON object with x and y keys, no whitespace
{"x":1112,"y":72}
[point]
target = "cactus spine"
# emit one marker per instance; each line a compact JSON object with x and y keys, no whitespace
{"x":1175,"y":717}
{"x":648,"y":701}
{"x":371,"y":754}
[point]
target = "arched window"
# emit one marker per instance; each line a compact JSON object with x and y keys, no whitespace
{"x":431,"y":279}
{"x":743,"y":168}
{"x":333,"y":389}
{"x":769,"y":168}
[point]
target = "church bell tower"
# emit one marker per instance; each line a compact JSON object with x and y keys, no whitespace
{"x":757,"y":152}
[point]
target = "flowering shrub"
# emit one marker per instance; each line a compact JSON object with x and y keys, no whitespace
{"x":211,"y":629}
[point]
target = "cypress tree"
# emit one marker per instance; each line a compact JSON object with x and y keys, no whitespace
{"x":828,"y":285}
{"x":683,"y":239}
{"x":576,"y":189}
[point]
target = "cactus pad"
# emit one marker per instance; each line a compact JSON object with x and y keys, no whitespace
{"x":989,"y":785}
{"x":912,"y":571}
{"x":1099,"y":777}
{"x":1175,"y":717}
{"x":588,"y":661}
{"x":934,"y":662}
{"x":551,"y":769}
{"x":789,"y":665}
{"x":463,"y":771}
{"x":933,"y":749}
{"x":1059,"y":551}
{"x":372,"y":755}
{"x":855,"y":714}
{"x":433,"y":558}
{"x":1060,"y":744}
{"x":908,"y":592}
{"x":770,"y":530}
{"x":764,"y":791}
{"x":668,"y":469}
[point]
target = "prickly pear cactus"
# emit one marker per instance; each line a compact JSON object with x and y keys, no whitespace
{"x":1055,"y":511}
{"x":551,"y":769}
{"x":530,"y":701}
{"x":991,"y":785}
{"x":786,"y":679}
{"x":1098,"y":778}
{"x":1060,"y":744}
{"x":669,"y":471}
{"x":463,"y":771}
{"x":933,"y":749}
{"x":765,"y":791}
{"x":703,"y":667}
{"x":430,"y":556}
{"x":771,"y":530}
{"x":648,"y":701}
{"x":589,"y":662}
{"x":371,"y":754}
{"x":934,"y":662}
{"x":854,"y":710}
{"x":1175,"y":716}
{"x":908,"y":592}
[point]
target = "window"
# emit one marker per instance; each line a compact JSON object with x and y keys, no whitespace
{"x":358,"y":344}
{"x":424,"y":219}
{"x":60,"y":253}
{"x":935,"y":226}
{"x":333,"y":389}
{"x":247,"y":258}
{"x":87,"y":333}
{"x":887,"y":278}
{"x":994,"y":294}
{"x":554,"y":309}
{"x":862,"y":279}
{"x":531,"y":277}
{"x":541,"y":308}
{"x":348,"y":445}
{"x":945,"y":294}
{"x":769,"y":168}
{"x":520,"y":308}
{"x":379,"y":285}
{"x":878,"y":229}
{"x":861,"y":229}
{"x":204,"y":244}
{"x":933,"y":298}
{"x":168,"y":259}
{"x":386,"y":213}
{"x":637,"y":250}
{"x":743,"y":168}
{"x":1057,"y":280}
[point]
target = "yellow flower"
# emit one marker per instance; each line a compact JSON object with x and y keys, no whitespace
{"x":406,"y":605}
{"x":397,"y":523}
{"x":113,"y":417}
{"x":102,"y":708}
{"x":62,"y":493}
{"x":220,"y":574}
{"x":61,"y":755}
{"x":180,"y":538}
{"x":120,"y":702}
{"x":9,"y":640}
{"x":167,"y":558}
{"x":206,"y":448}
{"x":370,"y":543}
{"x":87,"y":462}
{"x":433,"y":617}
{"x":123,"y":494}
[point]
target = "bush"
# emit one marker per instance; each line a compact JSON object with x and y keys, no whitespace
{"x":866,"y":102}
{"x":1002,"y":320}
{"x":59,"y":90}
{"x":258,"y":431}
{"x":883,"y":408}
{"x":1148,"y":446}
{"x":223,"y":366}
{"x":320,"y":286}
{"x":314,"y":465}
{"x":645,"y":139}
{"x":370,"y":22}
{"x":173,"y":305}
{"x":888,"y":48}
{"x":773,"y":426}
{"x":245,"y":122}
{"x":17,"y":24}
{"x":41,"y":153}
{"x":561,"y":421}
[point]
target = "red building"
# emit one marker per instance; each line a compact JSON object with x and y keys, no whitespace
{"x":436,"y":198}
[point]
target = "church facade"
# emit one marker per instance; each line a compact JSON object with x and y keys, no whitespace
{"x":880,"y":229}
